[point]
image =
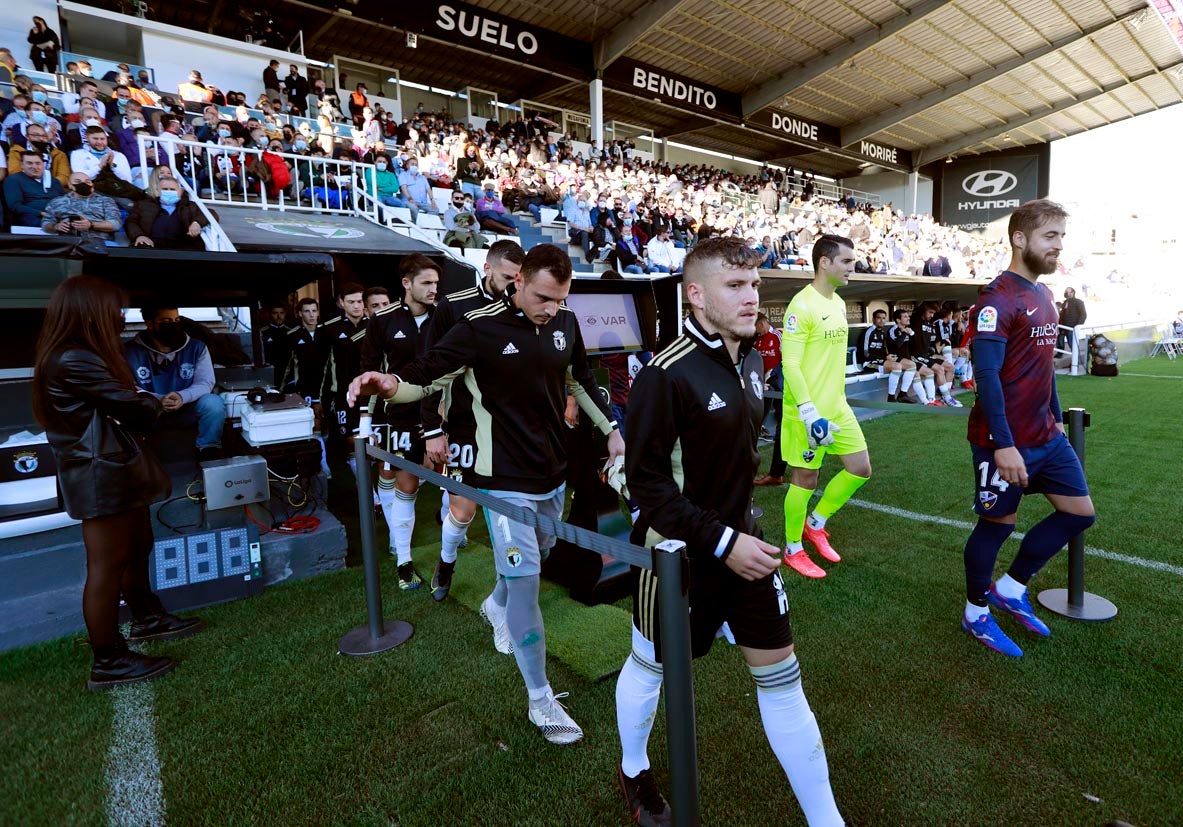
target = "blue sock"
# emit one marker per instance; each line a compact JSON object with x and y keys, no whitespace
{"x":981,"y":551}
{"x":1044,"y":539}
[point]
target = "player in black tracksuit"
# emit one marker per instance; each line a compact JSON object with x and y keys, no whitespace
{"x":936,"y":373}
{"x":897,"y":363}
{"x":875,"y":344}
{"x":306,"y":362}
{"x":449,"y":428}
{"x":517,"y":357}
{"x":693,"y":421}
{"x":274,"y":337}
{"x":394,"y":338}
{"x":341,"y":340}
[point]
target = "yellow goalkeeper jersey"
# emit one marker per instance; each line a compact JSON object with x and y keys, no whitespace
{"x":813,"y":352}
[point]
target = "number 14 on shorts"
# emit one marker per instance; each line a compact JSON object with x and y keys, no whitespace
{"x":996,"y":481}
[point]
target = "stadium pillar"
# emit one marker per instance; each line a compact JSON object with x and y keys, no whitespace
{"x":663,"y":148}
{"x":1074,"y":602}
{"x":377,"y":635}
{"x":671,"y":565}
{"x":913,"y":192}
{"x":597,"y":112}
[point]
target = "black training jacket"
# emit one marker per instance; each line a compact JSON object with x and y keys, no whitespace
{"x":393,"y":338}
{"x":693,"y":421}
{"x":518,"y":374}
{"x":341,"y":340}
{"x":458,"y":404}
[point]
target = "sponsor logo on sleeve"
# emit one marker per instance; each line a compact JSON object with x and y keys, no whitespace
{"x":987,"y":320}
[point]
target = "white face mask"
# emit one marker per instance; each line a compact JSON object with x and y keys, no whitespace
{"x":93,"y":122}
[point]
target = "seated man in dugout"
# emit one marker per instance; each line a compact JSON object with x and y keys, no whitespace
{"x":177,"y":369}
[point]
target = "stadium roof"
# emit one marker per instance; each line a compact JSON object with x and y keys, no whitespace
{"x":929,"y":78}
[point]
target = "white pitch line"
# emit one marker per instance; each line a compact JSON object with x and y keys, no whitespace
{"x":133,"y":768}
{"x":1092,"y":551}
{"x":1150,"y":375}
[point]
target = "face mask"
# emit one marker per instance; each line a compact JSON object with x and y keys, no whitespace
{"x":261,"y":143}
{"x":122,"y":104}
{"x":381,"y":165}
{"x":412,"y":169}
{"x":98,"y":153}
{"x":137,"y":124}
{"x":223,"y":133}
{"x":170,"y":335}
{"x":83,"y":189}
{"x":92,"y":122}
{"x":301,"y":145}
{"x":39,"y":146}
{"x":40,"y":97}
{"x":169,"y":197}
{"x":40,"y":118}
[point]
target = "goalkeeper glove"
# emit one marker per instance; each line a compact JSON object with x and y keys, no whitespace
{"x":819,"y":430}
{"x":613,"y":475}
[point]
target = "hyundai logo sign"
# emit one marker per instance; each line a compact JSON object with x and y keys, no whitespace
{"x":990,"y":183}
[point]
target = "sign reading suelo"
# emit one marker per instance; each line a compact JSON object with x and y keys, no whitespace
{"x":477,"y":28}
{"x":643,"y":80}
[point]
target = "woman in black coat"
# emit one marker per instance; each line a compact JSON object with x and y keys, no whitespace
{"x":43,"y":46}
{"x":84,"y":397}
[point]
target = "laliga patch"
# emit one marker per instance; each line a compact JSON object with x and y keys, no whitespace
{"x":987,"y":499}
{"x":987,"y":320}
{"x":791,"y":323}
{"x":513,"y":556}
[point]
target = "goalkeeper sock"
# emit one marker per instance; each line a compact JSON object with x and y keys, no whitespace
{"x":930,"y":387}
{"x":893,"y":382}
{"x":840,"y":489}
{"x":1044,"y":539}
{"x":906,"y":383}
{"x":796,"y":504}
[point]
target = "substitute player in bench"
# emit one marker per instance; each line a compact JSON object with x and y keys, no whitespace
{"x":817,"y":419}
{"x":706,"y":388}
{"x":1015,"y":433}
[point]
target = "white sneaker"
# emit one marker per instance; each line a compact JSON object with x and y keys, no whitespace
{"x":952,"y":402}
{"x":494,"y":615}
{"x":553,"y":721}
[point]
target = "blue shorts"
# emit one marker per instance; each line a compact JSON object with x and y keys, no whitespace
{"x":1051,"y":469}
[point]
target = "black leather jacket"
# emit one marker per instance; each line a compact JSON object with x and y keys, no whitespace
{"x":102,"y":467}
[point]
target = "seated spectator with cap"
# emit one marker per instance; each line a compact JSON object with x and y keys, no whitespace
{"x":178,"y":371}
{"x":167,"y":219}
{"x":28,"y":192}
{"x":82,"y":212}
{"x":37,"y":140}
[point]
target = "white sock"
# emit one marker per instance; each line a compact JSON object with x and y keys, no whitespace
{"x":1009,"y":587}
{"x":450,"y":537}
{"x":920,"y":394}
{"x":973,"y":611}
{"x":930,"y":387}
{"x":386,"y":500}
{"x":324,"y":460}
{"x":796,"y":740}
{"x":352,"y":463}
{"x":946,"y":390}
{"x":959,"y":365}
{"x":967,"y":373}
{"x":638,"y":689}
{"x":906,"y":384}
{"x":817,"y":521}
{"x":793,"y":548}
{"x":445,"y":507}
{"x":403,"y":525}
{"x":893,"y":382}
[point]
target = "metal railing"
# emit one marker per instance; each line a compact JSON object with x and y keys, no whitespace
{"x":212,"y":235}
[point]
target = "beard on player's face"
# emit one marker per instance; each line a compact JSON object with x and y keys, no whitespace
{"x":1040,"y":265}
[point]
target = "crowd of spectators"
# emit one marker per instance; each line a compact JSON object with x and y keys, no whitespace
{"x":623,"y":208}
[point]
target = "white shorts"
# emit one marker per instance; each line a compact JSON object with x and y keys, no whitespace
{"x":518,"y":549}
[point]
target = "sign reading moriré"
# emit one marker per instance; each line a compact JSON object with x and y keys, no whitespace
{"x":644,"y":80}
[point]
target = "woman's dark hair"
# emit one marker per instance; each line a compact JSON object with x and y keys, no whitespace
{"x":84,"y":312}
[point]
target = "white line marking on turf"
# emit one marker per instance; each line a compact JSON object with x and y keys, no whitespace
{"x":133,"y":768}
{"x":1018,"y":535}
{"x":1150,"y":375}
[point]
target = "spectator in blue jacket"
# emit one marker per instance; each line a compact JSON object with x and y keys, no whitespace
{"x":27,"y":192}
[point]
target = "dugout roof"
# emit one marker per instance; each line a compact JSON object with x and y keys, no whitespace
{"x":929,"y":79}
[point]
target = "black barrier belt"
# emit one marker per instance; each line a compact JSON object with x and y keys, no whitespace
{"x":899,"y":407}
{"x":624,"y":552}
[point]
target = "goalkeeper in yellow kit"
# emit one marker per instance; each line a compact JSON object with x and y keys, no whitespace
{"x":817,"y":418}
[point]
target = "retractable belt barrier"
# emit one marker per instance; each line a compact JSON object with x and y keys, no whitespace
{"x":668,"y":560}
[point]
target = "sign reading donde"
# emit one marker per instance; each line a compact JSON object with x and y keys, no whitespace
{"x":788,"y":125}
{"x":477,"y":28}
{"x":978,"y":191}
{"x":643,"y":80}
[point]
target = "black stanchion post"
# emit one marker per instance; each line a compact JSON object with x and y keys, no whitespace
{"x":1074,"y":601}
{"x":670,"y":566}
{"x":378,"y":635}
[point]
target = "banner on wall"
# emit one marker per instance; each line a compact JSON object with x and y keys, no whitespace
{"x":646,"y":81}
{"x":977,"y":192}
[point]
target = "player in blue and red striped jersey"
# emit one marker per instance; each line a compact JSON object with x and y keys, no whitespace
{"x":1017,"y":439}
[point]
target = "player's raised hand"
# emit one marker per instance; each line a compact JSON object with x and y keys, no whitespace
{"x":1010,"y":465}
{"x":371,"y":383}
{"x":752,"y":558}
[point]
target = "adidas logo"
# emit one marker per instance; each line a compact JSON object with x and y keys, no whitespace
{"x":399,"y":335}
{"x":509,"y":349}
{"x":715,"y":403}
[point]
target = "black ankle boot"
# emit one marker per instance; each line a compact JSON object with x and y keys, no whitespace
{"x":117,"y":665}
{"x":163,"y":626}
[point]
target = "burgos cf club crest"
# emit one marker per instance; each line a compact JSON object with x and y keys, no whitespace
{"x":560,"y":341}
{"x":757,"y":385}
{"x":25,"y":462}
{"x":187,"y":370}
{"x":513,"y":556}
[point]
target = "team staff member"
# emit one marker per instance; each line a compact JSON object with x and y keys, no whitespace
{"x":875,"y":344}
{"x":275,"y":339}
{"x":342,"y":353}
{"x":706,"y":388}
{"x":517,"y":357}
{"x":817,"y":419}
{"x":450,"y":432}
{"x":305,"y":367}
{"x":1016,"y":438}
{"x":393,"y":339}
{"x":84,"y":396}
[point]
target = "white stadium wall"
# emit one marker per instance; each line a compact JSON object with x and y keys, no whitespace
{"x":15,"y":21}
{"x":893,"y":187}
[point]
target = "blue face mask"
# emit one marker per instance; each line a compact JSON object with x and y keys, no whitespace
{"x":223,"y":133}
{"x":40,"y":118}
{"x":169,"y":197}
{"x":98,"y":153}
{"x":122,"y":104}
{"x":301,"y":145}
{"x":40,"y":97}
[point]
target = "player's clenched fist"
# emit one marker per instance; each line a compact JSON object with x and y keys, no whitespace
{"x":371,"y":383}
{"x":752,"y":558}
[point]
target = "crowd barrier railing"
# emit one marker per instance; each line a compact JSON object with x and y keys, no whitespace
{"x":212,"y":235}
{"x":668,"y":560}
